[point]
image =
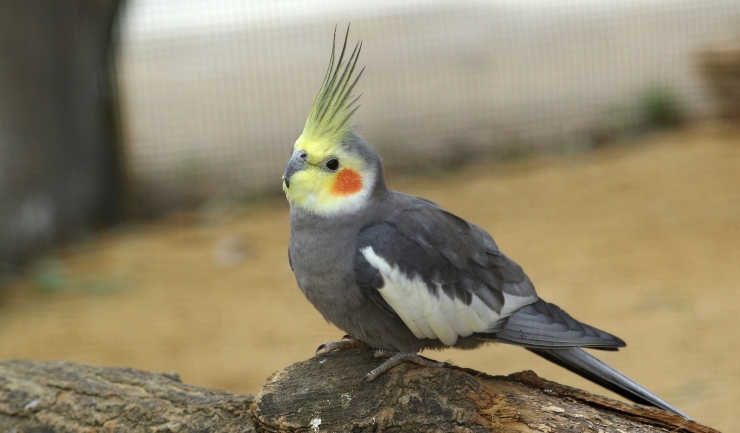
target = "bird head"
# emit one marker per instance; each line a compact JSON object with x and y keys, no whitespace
{"x":332,"y":170}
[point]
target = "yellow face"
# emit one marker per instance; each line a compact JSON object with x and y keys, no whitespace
{"x":329,"y":180}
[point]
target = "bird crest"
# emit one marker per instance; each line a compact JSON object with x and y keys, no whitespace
{"x":330,"y":119}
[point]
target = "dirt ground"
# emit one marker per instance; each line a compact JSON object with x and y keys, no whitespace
{"x":640,"y":239}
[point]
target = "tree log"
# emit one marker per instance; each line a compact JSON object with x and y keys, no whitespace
{"x":50,"y":397}
{"x":322,"y":394}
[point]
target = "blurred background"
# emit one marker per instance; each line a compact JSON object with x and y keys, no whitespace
{"x":142,"y":144}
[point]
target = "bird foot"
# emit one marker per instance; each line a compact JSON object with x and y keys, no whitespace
{"x":395,"y":358}
{"x":348,"y":342}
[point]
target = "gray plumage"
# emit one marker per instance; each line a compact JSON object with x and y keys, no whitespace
{"x":343,"y":263}
{"x":400,"y":273}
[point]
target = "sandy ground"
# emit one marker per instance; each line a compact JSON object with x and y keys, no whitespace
{"x":640,"y":239}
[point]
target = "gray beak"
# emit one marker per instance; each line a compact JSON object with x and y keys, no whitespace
{"x":297,"y":163}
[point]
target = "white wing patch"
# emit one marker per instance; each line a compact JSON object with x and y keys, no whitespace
{"x":429,"y":316}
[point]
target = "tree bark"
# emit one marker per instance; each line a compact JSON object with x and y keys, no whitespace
{"x":322,"y":394}
{"x":46,"y":397}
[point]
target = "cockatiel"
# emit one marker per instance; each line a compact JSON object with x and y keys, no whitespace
{"x":399,"y":273}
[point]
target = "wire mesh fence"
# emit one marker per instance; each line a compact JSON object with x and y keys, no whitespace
{"x":215,"y":93}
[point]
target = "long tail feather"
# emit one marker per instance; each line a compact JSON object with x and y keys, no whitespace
{"x":580,"y":362}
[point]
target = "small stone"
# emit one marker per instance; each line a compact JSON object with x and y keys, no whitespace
{"x":31,"y":404}
{"x":553,"y":409}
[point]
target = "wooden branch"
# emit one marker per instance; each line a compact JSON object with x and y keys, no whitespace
{"x":327,"y":393}
{"x":46,"y":397}
{"x":321,"y":394}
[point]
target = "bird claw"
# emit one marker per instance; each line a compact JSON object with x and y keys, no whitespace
{"x":347,"y":342}
{"x":395,"y":358}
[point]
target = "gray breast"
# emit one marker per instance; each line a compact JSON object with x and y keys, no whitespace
{"x":322,"y":256}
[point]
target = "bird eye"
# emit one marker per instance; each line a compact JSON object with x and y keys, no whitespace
{"x":332,"y":164}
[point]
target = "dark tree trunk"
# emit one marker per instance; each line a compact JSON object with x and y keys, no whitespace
{"x":59,"y":167}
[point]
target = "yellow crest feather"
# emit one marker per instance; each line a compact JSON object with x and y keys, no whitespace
{"x":330,"y":119}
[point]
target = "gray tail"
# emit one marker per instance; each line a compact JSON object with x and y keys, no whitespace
{"x":580,"y":362}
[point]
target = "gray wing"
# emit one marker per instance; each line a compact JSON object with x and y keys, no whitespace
{"x":545,"y":325}
{"x":444,"y":277}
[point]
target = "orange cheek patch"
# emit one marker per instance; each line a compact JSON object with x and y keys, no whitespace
{"x":347,"y":182}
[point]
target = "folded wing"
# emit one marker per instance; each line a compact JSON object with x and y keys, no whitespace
{"x":445,"y":278}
